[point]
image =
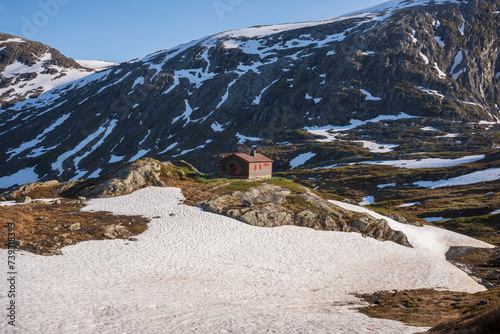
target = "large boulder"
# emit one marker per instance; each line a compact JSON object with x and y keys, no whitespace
{"x":122,"y":180}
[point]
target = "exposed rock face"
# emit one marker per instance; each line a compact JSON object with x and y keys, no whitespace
{"x":24,"y":200}
{"x":121,"y":181}
{"x":432,"y":59}
{"x":25,"y":189}
{"x":270,"y":205}
{"x":400,"y":219}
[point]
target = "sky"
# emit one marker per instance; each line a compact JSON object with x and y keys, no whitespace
{"x":121,"y":30}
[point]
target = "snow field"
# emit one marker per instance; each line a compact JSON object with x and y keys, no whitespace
{"x":198,"y":272}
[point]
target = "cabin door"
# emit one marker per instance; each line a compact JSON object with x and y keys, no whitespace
{"x":234,"y":169}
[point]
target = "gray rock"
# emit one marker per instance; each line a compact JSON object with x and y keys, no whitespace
{"x":24,"y":200}
{"x":401,"y":219}
{"x":360,"y":225}
{"x":109,"y":236}
{"x":116,"y":231}
{"x":75,"y":227}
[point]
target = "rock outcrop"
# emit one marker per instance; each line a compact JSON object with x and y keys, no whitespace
{"x":269,"y":205}
{"x":123,"y":180}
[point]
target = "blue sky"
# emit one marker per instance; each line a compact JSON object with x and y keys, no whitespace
{"x":120,"y":30}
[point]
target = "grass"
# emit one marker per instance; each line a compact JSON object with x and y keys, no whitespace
{"x":446,"y":311}
{"x":43,"y":236}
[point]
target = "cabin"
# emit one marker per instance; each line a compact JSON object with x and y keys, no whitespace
{"x":246,"y":166}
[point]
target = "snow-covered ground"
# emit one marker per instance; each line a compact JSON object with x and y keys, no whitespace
{"x":97,"y":65}
{"x":198,"y":272}
{"x":427,"y":163}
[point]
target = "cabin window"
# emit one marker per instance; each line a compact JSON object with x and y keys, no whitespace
{"x":255,"y":167}
{"x":260,"y":166}
{"x":267,"y":164}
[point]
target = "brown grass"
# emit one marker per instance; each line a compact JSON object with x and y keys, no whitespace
{"x":430,"y":308}
{"x":43,"y":228}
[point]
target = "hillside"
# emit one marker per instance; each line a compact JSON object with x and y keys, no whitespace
{"x":28,"y":69}
{"x":384,"y":71}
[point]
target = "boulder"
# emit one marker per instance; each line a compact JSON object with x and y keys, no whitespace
{"x":75,"y":227}
{"x":24,"y":200}
{"x":117,"y":231}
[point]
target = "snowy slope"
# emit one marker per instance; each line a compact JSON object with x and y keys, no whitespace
{"x":31,"y":68}
{"x":22,"y":85}
{"x":369,"y":13}
{"x":97,"y":65}
{"x":197,"y":272}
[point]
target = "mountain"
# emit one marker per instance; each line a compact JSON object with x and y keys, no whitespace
{"x":28,"y":69}
{"x":399,"y":63}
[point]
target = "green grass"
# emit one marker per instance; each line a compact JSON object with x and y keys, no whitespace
{"x":241,"y":185}
{"x":281,"y":181}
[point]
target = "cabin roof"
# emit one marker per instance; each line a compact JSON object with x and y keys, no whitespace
{"x":250,"y":158}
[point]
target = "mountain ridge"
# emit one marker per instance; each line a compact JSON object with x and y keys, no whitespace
{"x":216,"y":95}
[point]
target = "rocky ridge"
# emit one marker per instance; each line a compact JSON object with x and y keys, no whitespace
{"x":28,"y":69}
{"x":269,"y":205}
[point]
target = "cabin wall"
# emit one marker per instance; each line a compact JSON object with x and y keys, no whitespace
{"x":261,"y":170}
{"x":234,"y":167}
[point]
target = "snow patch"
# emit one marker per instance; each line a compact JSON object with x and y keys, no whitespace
{"x":405,"y":205}
{"x":139,"y":155}
{"x":430,"y":91}
{"x":441,"y":74}
{"x":23,"y":176}
{"x":377,"y":148}
{"x":301,"y":159}
{"x":490,"y":174}
{"x":243,"y":139}
{"x":330,"y":131}
{"x":367,"y":200}
{"x":427,"y":163}
{"x":369,"y":96}
{"x":256,"y":101}
{"x":115,"y":158}
{"x":98,"y":65}
{"x":216,"y":127}
{"x":106,"y":128}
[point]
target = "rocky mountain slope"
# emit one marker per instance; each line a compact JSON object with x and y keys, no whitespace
{"x":28,"y":69}
{"x":403,"y":60}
